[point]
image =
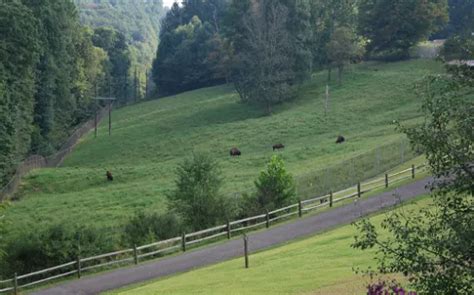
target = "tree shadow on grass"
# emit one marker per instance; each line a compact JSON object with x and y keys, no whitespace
{"x":222,"y":113}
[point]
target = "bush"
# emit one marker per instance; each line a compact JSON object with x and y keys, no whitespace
{"x":145,"y":228}
{"x":197,"y":198}
{"x":55,"y":245}
{"x":275,"y":187}
{"x":459,"y":48}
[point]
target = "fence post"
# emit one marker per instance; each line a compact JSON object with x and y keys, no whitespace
{"x":228,"y":230}
{"x":15,"y":284}
{"x":300,"y":208}
{"x":135,"y":254}
{"x":386,"y":180}
{"x":78,"y":261}
{"x":246,"y":251}
{"x":359,"y":193}
{"x":183,"y":242}
{"x":267,"y":219}
{"x":413,"y":171}
{"x":330,"y":199}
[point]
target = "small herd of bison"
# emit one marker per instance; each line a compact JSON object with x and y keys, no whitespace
{"x":235,"y":152}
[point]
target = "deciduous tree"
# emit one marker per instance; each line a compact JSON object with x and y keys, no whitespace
{"x":392,"y":27}
{"x":433,"y":248}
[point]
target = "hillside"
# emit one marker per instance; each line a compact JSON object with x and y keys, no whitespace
{"x":149,"y":139}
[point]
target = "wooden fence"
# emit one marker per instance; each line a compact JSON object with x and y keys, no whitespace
{"x":136,"y":254}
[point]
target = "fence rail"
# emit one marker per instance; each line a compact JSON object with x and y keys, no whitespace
{"x":180,"y":243}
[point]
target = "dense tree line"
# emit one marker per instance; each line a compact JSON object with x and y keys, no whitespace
{"x":268,"y":48}
{"x":192,"y":53}
{"x":138,"y":23}
{"x":393,"y":27}
{"x":50,"y":66}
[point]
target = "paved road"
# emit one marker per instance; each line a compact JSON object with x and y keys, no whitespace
{"x":233,"y":248}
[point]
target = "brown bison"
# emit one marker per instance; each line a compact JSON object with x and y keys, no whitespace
{"x":109,"y":175}
{"x":235,"y":152}
{"x":340,"y":139}
{"x":278,"y":146}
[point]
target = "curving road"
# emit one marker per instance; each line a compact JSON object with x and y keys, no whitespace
{"x":233,"y":248}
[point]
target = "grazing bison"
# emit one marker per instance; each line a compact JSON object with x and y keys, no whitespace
{"x":109,"y":175}
{"x":278,"y":146}
{"x":235,"y":152}
{"x":340,"y":139}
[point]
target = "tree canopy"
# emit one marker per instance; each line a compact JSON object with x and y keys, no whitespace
{"x":433,"y":248}
{"x":393,"y":26}
{"x":48,"y":67}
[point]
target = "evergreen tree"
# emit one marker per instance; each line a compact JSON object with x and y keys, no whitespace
{"x":269,"y":54}
{"x":192,"y":52}
{"x":326,"y":16}
{"x":116,"y":81}
{"x":19,"y":51}
{"x":47,"y":66}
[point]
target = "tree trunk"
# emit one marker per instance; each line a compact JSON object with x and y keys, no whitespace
{"x":339,"y":74}
{"x":329,"y":74}
{"x":269,"y":108}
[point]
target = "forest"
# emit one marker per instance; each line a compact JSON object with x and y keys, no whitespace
{"x":269,"y":48}
{"x":56,"y":57}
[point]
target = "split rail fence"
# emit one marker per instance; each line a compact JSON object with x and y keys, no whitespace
{"x":136,"y":254}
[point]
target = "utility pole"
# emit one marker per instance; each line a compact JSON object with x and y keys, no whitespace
{"x":110,"y":117}
{"x":109,"y":104}
{"x":95,"y":117}
{"x":146,"y":84}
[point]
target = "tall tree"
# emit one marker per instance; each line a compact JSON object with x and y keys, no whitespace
{"x":117,"y":82}
{"x":46,"y":61}
{"x":394,"y":26}
{"x":191,"y":49}
{"x":19,"y":52}
{"x":343,"y":48}
{"x":270,"y":50}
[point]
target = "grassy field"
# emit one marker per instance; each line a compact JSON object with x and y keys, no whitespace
{"x":322,"y":264}
{"x":151,"y":138}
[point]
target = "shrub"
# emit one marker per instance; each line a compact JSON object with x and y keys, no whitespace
{"x":146,"y":228}
{"x":52,"y":246}
{"x":197,"y":198}
{"x":275,"y":187}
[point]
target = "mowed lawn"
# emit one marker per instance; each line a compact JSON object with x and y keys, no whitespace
{"x":151,"y":138}
{"x":323,"y":264}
